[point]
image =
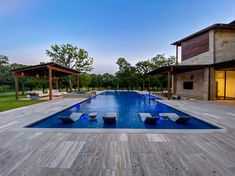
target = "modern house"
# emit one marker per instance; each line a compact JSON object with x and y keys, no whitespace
{"x":207,"y":68}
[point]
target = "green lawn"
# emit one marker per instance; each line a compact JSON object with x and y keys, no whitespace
{"x":8,"y":101}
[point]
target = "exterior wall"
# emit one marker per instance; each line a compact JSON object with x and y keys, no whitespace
{"x":203,"y":58}
{"x":200,"y":84}
{"x":224,"y":45}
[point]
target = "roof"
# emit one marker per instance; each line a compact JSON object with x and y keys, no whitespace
{"x":41,"y":70}
{"x":175,"y":69}
{"x":214,"y":26}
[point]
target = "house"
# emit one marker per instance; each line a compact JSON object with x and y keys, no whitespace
{"x":207,"y":68}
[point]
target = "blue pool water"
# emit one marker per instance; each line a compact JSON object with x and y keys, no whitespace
{"x":128,"y":105}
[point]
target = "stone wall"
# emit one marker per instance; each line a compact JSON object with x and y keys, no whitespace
{"x":224,"y":45}
{"x":200,"y":84}
{"x":212,"y":84}
{"x":203,"y":58}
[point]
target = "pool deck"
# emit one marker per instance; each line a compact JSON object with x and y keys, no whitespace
{"x":42,"y":152}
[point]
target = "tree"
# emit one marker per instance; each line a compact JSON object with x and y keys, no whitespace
{"x":108,"y":80}
{"x":160,"y":60}
{"x":127,"y":74}
{"x":85,"y":80}
{"x":71,"y":57}
{"x":4,"y":60}
{"x":143,"y":67}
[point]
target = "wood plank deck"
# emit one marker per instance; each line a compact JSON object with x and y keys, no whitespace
{"x":58,"y":153}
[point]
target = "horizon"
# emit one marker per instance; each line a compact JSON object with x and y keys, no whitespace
{"x":136,"y":30}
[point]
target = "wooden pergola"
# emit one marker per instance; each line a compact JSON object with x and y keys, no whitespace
{"x":48,"y":70}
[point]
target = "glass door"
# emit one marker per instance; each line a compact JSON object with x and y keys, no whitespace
{"x":230,"y":84}
{"x":225,"y":84}
{"x":220,"y":83}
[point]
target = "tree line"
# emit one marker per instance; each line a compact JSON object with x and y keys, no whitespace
{"x":127,"y":77}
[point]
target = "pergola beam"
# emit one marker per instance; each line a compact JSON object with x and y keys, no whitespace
{"x":62,"y":70}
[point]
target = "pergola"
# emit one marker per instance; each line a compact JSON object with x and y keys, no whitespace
{"x":48,"y":70}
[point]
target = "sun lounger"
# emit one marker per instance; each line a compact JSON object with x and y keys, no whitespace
{"x":72,"y":118}
{"x":175,"y":118}
{"x":148,"y":118}
{"x":110,"y":117}
{"x":183,"y":119}
{"x":92,"y":116}
{"x":167,"y":116}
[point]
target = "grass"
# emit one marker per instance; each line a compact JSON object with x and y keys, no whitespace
{"x":8,"y":101}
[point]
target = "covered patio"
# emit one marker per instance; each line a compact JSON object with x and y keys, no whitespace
{"x":219,"y":78}
{"x":171,"y":71}
{"x":48,"y":70}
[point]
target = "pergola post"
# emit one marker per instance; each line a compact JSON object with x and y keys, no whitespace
{"x":16,"y":87}
{"x":57,"y":83}
{"x":176,"y":55}
{"x":78,"y":86}
{"x":50,"y":83}
{"x":169,"y":85}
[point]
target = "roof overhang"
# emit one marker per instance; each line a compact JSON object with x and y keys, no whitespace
{"x":176,"y":69}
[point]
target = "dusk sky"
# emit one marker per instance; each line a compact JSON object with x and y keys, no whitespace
{"x":107,"y":29}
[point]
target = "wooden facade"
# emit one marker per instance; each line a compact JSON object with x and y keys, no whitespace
{"x":195,"y":46}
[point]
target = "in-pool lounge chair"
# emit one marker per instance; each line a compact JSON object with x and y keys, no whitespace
{"x":110,"y":117}
{"x":92,"y":116}
{"x":175,"y":118}
{"x":72,"y":118}
{"x":148,"y":118}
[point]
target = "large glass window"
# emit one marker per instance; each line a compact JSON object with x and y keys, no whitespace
{"x":225,"y":84}
{"x":220,"y":82}
{"x":230,"y":84}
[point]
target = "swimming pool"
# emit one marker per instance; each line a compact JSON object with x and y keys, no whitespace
{"x":128,"y":105}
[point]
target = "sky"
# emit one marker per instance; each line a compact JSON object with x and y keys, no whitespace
{"x":107,"y":29}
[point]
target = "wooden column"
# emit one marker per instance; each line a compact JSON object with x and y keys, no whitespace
{"x":169,"y":85}
{"x":50,"y":83}
{"x":176,"y":55}
{"x":57,"y":83}
{"x":16,"y":87}
{"x":149,"y":85}
{"x":78,"y":87}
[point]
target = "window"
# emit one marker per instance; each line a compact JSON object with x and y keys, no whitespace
{"x":188,"y":85}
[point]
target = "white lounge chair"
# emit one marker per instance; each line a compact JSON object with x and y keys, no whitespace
{"x":110,"y":117}
{"x":167,"y":116}
{"x":72,"y":118}
{"x":92,"y":116}
{"x":148,"y":118}
{"x":176,"y":118}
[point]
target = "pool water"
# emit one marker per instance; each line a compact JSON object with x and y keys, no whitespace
{"x":128,"y":105}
